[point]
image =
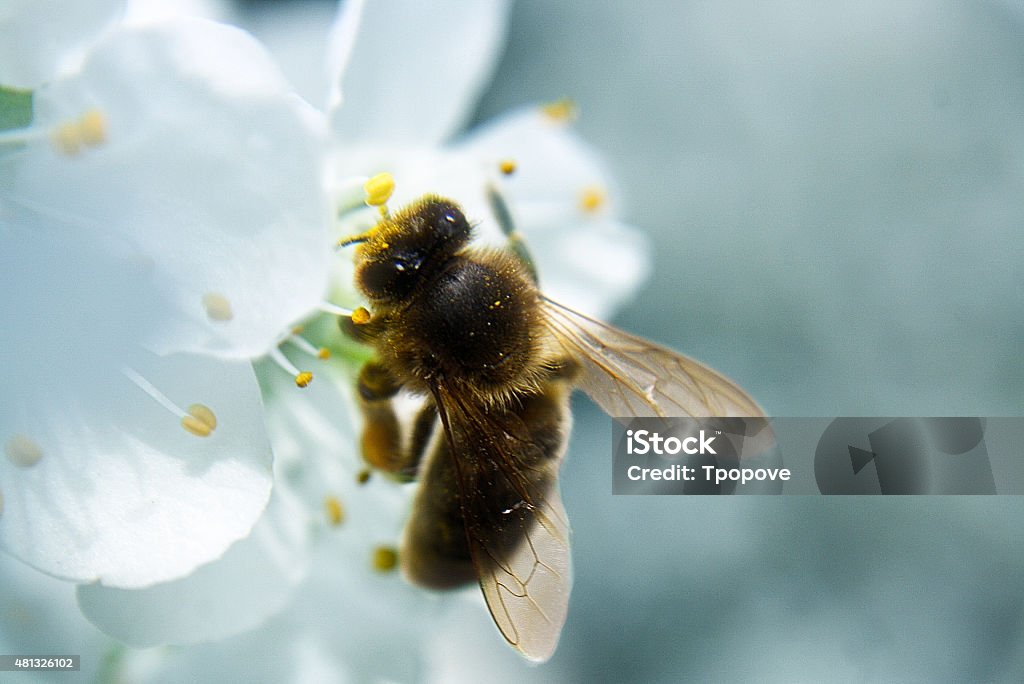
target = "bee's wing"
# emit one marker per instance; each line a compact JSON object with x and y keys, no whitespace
{"x":627,"y":376}
{"x":516,"y":525}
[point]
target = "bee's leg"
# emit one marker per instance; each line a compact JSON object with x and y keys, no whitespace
{"x":381,"y":441}
{"x":422,"y":431}
{"x":516,"y":243}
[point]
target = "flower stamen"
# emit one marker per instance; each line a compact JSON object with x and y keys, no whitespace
{"x":218,"y":307}
{"x":379,"y":189}
{"x":327,"y":307}
{"x":385,"y":558}
{"x":322,"y":353}
{"x":199,"y":420}
{"x":334,"y":510}
{"x":302,"y":378}
{"x":89,"y":130}
{"x":560,"y":111}
{"x":361,"y":316}
{"x":23,"y":451}
{"x":507,"y":166}
{"x":592,"y":198}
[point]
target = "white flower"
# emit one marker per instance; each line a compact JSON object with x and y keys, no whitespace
{"x":201,"y":220}
{"x":342,"y":611}
{"x":166,"y":202}
{"x":210,"y":171}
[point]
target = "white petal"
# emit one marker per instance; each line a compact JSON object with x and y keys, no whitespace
{"x":100,"y":482}
{"x":252,"y":581}
{"x":333,"y":629}
{"x":411,"y":71}
{"x":315,"y":437}
{"x":553,"y":163}
{"x":296,"y":34}
{"x":347,"y":623}
{"x":39,"y":38}
{"x":122,"y":494}
{"x":593,"y":265}
{"x":586,"y":258}
{"x":211,"y":170}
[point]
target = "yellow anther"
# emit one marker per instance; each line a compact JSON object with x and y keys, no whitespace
{"x":92,"y":128}
{"x":88,"y":130}
{"x":507,"y":166}
{"x":592,"y":198}
{"x":195,"y":426}
{"x":23,"y":451}
{"x":378,"y":189}
{"x":323,"y":353}
{"x":561,"y":111}
{"x":385,"y":558}
{"x":363,"y":476}
{"x":297,"y":330}
{"x":361,"y":316}
{"x":200,"y":420}
{"x":335,"y":513}
{"x":303,"y":379}
{"x":202,"y":412}
{"x":217,"y":306}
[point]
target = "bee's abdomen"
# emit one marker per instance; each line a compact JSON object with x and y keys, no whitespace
{"x":478,"y":322}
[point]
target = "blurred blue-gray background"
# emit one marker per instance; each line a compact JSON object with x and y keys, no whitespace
{"x":835,"y":192}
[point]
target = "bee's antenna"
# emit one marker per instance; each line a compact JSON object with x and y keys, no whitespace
{"x":352,"y":240}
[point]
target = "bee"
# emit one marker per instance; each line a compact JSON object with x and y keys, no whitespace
{"x":495,"y":361}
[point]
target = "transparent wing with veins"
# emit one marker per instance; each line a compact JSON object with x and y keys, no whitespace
{"x":629,"y":376}
{"x":506,"y":465}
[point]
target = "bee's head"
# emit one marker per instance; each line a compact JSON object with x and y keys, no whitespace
{"x":409,"y":246}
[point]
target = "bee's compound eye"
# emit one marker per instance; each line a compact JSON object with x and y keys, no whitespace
{"x":450,"y":223}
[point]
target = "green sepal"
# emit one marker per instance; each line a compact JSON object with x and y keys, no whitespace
{"x":15,"y":108}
